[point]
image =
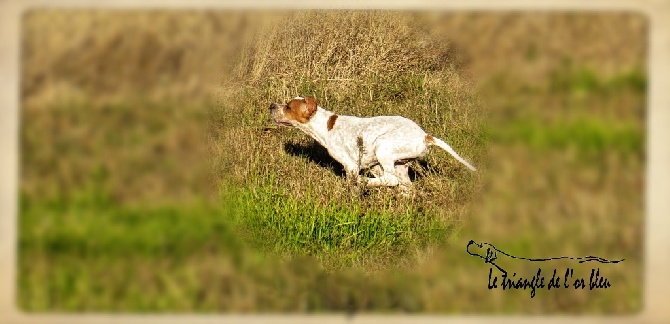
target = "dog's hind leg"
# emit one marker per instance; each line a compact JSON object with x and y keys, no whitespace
{"x":402,"y":172}
{"x":388,"y":176}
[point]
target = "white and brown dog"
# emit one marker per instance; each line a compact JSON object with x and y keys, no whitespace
{"x":384,"y":143}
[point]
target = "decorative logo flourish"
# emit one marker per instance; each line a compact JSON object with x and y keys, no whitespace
{"x":492,"y":255}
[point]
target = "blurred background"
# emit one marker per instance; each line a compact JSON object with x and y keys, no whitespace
{"x":152,"y":181}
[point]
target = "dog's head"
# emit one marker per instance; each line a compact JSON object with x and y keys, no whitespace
{"x":297,"y":111}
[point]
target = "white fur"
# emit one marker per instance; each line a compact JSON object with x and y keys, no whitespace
{"x":388,"y":142}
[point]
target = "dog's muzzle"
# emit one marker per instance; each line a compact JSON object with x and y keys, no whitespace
{"x":274,"y":117}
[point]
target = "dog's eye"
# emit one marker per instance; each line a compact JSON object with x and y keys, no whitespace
{"x":288,"y":107}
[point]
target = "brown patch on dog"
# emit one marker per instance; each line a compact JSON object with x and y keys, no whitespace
{"x":311,"y":104}
{"x":331,"y":121}
{"x":430,"y":140}
{"x":300,"y":110}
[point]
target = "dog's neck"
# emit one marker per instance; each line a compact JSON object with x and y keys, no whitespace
{"x":317,"y":126}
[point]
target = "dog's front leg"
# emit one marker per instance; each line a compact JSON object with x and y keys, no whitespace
{"x":352,"y":170}
{"x":352,"y":175}
{"x":402,"y":172}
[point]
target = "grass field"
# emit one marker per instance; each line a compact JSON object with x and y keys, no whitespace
{"x":152,"y":180}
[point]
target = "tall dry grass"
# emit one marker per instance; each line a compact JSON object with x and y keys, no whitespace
{"x":355,"y":63}
{"x":99,"y":54}
{"x":345,"y":48}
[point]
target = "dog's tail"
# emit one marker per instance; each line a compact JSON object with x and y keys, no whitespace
{"x":430,"y":140}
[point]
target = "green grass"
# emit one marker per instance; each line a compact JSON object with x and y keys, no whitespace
{"x":582,"y":81}
{"x":120,"y":231}
{"x":336,"y":232}
{"x":173,"y":255}
{"x":588,"y":136}
{"x":77,"y":250}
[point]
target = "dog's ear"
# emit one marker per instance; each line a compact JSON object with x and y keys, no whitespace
{"x":311,"y":104}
